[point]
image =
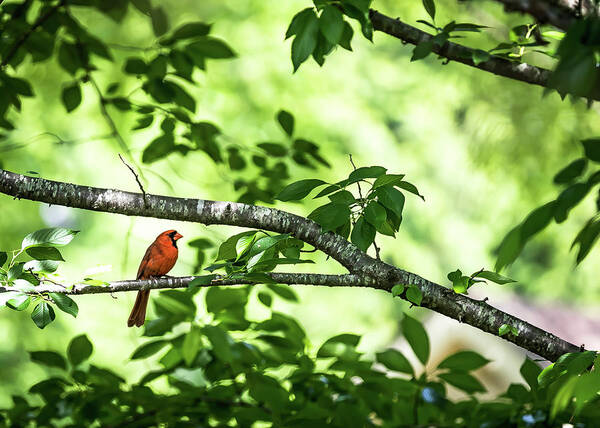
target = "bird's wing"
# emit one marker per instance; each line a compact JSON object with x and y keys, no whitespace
{"x":145,"y":269}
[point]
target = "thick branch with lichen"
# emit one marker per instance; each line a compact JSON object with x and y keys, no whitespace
{"x":382,"y":275}
{"x":454,"y":52}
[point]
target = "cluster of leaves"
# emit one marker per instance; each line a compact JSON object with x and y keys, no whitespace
{"x":461,"y":283}
{"x":21,"y":278}
{"x":318,"y":30}
{"x":52,"y":31}
{"x":273,"y":160}
{"x":443,"y":34}
{"x":178,"y":54}
{"x":576,"y":186}
{"x":523,"y":38}
{"x":378,"y":211}
{"x":231,"y":370}
{"x":577,"y":71}
{"x":251,"y":253}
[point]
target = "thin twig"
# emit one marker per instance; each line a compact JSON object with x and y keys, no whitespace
{"x":363,"y":205}
{"x":136,"y":179}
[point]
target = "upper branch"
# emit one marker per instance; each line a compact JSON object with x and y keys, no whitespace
{"x":560,"y":13}
{"x":454,"y":52}
{"x":384,"y":276}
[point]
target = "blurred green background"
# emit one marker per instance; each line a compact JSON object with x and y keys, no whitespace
{"x":481,"y":148}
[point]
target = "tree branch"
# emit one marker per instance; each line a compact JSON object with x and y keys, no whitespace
{"x":560,"y":13}
{"x":384,"y":276}
{"x":454,"y":52}
{"x":184,"y":281}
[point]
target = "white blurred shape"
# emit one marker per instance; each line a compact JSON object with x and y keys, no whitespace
{"x":56,"y":215}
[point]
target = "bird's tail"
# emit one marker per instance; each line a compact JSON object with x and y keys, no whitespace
{"x":138,"y":313}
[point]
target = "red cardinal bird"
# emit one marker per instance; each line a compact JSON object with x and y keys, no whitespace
{"x":159,"y":259}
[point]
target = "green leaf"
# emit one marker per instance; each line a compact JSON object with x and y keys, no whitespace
{"x":135,"y":65}
{"x":305,"y":41}
{"x":337,"y":345}
{"x":586,"y":390}
{"x":243,"y":244}
{"x":571,"y":171}
{"x":365,"y":172}
{"x":191,"y":345}
{"x":375,"y":214}
{"x":422,"y":50}
{"x":395,"y":360}
{"x":79,"y":350}
{"x":182,"y":98}
{"x":463,"y":361}
{"x":331,"y":24}
{"x":44,"y":253}
{"x":509,"y":249}
{"x":3,"y":258}
{"x":504,"y":329}
{"x":148,"y":349}
{"x":463,"y":381}
{"x":191,"y":30}
{"x":158,"y":148}
{"x":480,"y":56}
{"x":56,"y":236}
{"x":530,"y":372}
{"x":409,"y":187}
{"x":591,"y":148}
{"x":42,"y":314}
{"x":586,"y":238}
{"x":299,"y":189}
{"x":398,"y":289}
{"x":567,"y":200}
{"x":160,"y":23}
{"x":286,"y":120}
{"x":330,"y":216}
{"x":283,"y":291}
{"x":65,"y":303}
{"x":429,"y":6}
{"x":48,"y":358}
{"x":416,"y":336}
{"x":391,"y":198}
{"x":346,"y":38}
{"x":220,"y":298}
{"x":211,"y":47}
{"x":387,"y":179}
{"x":265,"y":298}
{"x":18,"y":301}
{"x":71,"y":97}
{"x":227,"y":250}
{"x":265,"y":389}
{"x":298,"y":22}
{"x":274,"y":149}
{"x":221,"y":342}
{"x":143,"y":122}
{"x":363,"y":234}
{"x":494,"y":277}
{"x":270,"y":264}
{"x":414,"y":295}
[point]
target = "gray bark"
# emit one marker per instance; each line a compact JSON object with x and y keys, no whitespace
{"x":382,"y":275}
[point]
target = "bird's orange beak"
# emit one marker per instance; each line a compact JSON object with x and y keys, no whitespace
{"x":177,"y":236}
